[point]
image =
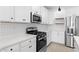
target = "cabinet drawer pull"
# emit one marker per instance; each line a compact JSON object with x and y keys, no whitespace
{"x":24,"y":19}
{"x":11,"y":17}
{"x":30,"y":46}
{"x":30,"y":41}
{"x":11,"y":49}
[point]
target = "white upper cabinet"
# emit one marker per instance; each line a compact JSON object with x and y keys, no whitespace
{"x":6,"y":13}
{"x":36,"y":9}
{"x":22,"y":13}
{"x":44,"y":13}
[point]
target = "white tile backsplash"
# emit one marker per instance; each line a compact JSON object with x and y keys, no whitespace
{"x":7,"y":29}
{"x":11,"y":29}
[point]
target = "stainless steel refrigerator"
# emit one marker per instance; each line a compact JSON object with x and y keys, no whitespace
{"x":70,"y":31}
{"x":77,"y":25}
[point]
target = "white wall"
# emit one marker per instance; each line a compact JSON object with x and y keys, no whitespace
{"x":72,"y":11}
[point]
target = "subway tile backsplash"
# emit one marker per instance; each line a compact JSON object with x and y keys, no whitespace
{"x":11,"y":29}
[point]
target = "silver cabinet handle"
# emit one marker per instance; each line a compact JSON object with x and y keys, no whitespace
{"x":11,"y":17}
{"x":24,"y":19}
{"x":11,"y":49}
{"x":30,"y":41}
{"x":30,"y":46}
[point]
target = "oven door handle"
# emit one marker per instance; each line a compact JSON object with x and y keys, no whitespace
{"x":42,"y":38}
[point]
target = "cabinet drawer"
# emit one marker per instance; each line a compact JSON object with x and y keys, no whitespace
{"x":28,"y":48}
{"x":14,"y":48}
{"x":29,"y":45}
{"x":25,"y":43}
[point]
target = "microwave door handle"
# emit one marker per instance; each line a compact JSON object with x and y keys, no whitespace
{"x":31,"y":17}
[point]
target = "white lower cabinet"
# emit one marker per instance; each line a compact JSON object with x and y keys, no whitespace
{"x":58,"y":37}
{"x":24,"y":46}
{"x":76,"y":49}
{"x":28,"y":46}
{"x":48,"y":37}
{"x":13,"y":48}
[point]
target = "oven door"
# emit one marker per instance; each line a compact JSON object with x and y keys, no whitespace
{"x":35,"y":18}
{"x":41,"y":43}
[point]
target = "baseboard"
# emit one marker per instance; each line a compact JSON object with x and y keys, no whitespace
{"x":49,"y":44}
{"x":58,"y":43}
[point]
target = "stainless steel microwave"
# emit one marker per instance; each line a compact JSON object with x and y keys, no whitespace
{"x":35,"y":18}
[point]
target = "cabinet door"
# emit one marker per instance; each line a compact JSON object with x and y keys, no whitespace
{"x":14,"y":48}
{"x":58,"y":37}
{"x":61,"y":37}
{"x":6,"y":13}
{"x":36,"y":9}
{"x":49,"y":37}
{"x":33,"y":43}
{"x":44,"y":15}
{"x":76,"y":49}
{"x":22,"y":13}
{"x":29,"y":46}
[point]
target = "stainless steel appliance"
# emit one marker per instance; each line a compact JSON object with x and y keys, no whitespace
{"x":77,"y":25}
{"x":35,"y":18}
{"x":69,"y":31}
{"x":41,"y":38}
{"x":32,"y":30}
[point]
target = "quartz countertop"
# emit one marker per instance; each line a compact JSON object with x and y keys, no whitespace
{"x":9,"y":40}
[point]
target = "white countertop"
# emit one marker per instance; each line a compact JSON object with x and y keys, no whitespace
{"x":9,"y":40}
{"x":77,"y":39}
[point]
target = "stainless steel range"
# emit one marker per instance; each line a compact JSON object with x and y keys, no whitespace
{"x":41,"y":38}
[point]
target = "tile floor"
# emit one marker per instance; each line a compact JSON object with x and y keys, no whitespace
{"x":55,"y":47}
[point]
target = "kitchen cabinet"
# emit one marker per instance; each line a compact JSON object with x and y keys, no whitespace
{"x":58,"y":31}
{"x":6,"y":13}
{"x":29,"y":46}
{"x":13,"y":48}
{"x":58,"y":37}
{"x":36,"y":9}
{"x":44,"y":13}
{"x":22,"y":13}
{"x":23,"y":46}
{"x":61,"y":37}
{"x":48,"y":40}
{"x":76,"y":47}
{"x":49,"y":37}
